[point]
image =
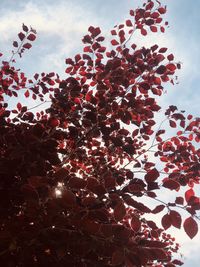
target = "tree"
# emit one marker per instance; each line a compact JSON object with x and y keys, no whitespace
{"x":75,"y":176}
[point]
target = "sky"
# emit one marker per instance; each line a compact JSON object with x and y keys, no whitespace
{"x":61,"y":25}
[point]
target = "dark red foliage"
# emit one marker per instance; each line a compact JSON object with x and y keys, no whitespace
{"x":72,"y":176}
{"x":191,"y":227}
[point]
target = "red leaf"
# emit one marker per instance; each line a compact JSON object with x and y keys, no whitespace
{"x":137,"y":205}
{"x":172,"y":123}
{"x":153,"y":28}
{"x":143,"y":32}
{"x":162,"y":10}
{"x":154,"y":48}
{"x":68,"y":198}
{"x":54,"y":122}
{"x":19,"y":106}
{"x":136,"y":187}
{"x":15,"y":44}
{"x":152,"y":175}
{"x":36,"y":181}
{"x":87,"y":49}
{"x":171,"y":67}
{"x":155,"y":15}
{"x":102,"y":49}
{"x":27,"y":46}
{"x":162,"y":29}
{"x":188,"y":194}
{"x":160,"y":58}
{"x":135,"y":223}
{"x":176,"y":219}
{"x":149,"y":22}
{"x":29,"y":192}
{"x":157,"y":80}
{"x":166,"y":221}
{"x":161,"y":69}
{"x":31,"y":37}
{"x":96,"y":32}
{"x":119,"y":211}
{"x":157,"y":254}
{"x":69,"y":69}
{"x":171,"y":184}
{"x":129,"y":148}
{"x":77,"y":100}
{"x":158,"y":209}
{"x":36,"y":75}
{"x":77,"y":183}
{"x":152,"y":225}
{"x":21,"y":36}
{"x":162,"y":50}
{"x":88,"y":96}
{"x":179,"y":200}
{"x":189,"y":117}
{"x":114,"y":42}
{"x":110,"y":182}
{"x":149,"y":6}
{"x":113,"y":32}
{"x":24,"y":27}
{"x":27,"y":93}
{"x":182,"y":123}
{"x":170,"y":57}
{"x":190,"y":227}
{"x":91,"y":227}
{"x":117,"y":257}
{"x":177,"y":262}
{"x":145,"y":86}
{"x":129,"y":23}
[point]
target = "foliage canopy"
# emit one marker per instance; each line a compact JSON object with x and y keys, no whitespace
{"x":73,"y":177}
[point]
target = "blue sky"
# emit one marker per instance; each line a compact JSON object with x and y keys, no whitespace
{"x":61,"y":25}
